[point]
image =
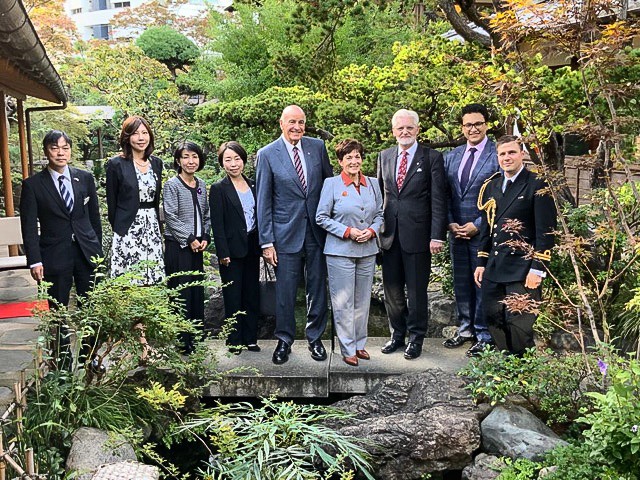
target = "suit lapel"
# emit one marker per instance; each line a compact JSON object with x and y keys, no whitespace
{"x":232,"y":195}
{"x":455,"y":166}
{"x":417,"y":162}
{"x":512,"y":193}
{"x":484,"y":156}
{"x":47,"y":183}
{"x":78,"y":201}
{"x":392,"y":161}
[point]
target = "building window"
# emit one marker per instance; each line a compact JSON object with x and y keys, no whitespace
{"x":101,"y":32}
{"x":99,"y":5}
{"x":121,"y":4}
{"x":75,"y":11}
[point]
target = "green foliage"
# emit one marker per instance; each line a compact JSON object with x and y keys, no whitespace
{"x":123,"y":77}
{"x":168,"y":46}
{"x":554,"y":385}
{"x":277,"y":441}
{"x":613,"y":437}
{"x":519,"y":469}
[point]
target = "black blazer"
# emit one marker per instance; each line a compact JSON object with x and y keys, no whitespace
{"x":228,"y":225}
{"x":419,"y":210}
{"x":40,"y":201}
{"x":529,"y":201}
{"x":123,"y":195}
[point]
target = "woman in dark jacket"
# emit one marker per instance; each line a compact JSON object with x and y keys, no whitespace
{"x":186,"y":235}
{"x":235,"y":234}
{"x":133,"y":199}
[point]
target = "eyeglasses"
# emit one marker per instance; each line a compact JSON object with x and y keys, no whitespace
{"x":476,"y":125}
{"x":407,"y":129}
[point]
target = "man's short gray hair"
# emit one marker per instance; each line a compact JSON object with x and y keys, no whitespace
{"x":403,"y":112}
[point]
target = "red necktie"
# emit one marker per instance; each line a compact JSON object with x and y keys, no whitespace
{"x":298,"y":164}
{"x":402,"y":170}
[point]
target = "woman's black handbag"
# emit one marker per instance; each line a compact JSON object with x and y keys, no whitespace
{"x":267,"y":289}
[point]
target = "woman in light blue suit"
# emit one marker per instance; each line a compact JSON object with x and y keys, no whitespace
{"x":350,"y":210}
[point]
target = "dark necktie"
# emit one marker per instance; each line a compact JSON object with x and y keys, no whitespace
{"x":466,"y":169}
{"x":298,"y":164}
{"x":402,"y":170}
{"x":507,"y":186}
{"x":64,"y":193}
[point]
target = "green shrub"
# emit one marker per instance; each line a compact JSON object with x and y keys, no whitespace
{"x":613,"y":437}
{"x":277,"y":441}
{"x":554,"y":385}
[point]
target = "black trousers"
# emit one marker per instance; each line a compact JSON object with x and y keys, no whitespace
{"x":81,"y":272}
{"x":408,"y":315}
{"x":242,"y":295}
{"x":511,"y":331}
{"x":177,"y":259}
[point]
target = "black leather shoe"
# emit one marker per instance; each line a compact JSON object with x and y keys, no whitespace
{"x":392,"y":345}
{"x":457,"y":341}
{"x":478,"y":347}
{"x":317,"y":350}
{"x":254,"y":347}
{"x":97,"y":367}
{"x":413,"y":351}
{"x":281,"y":353}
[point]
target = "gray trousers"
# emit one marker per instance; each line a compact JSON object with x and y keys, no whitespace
{"x":350,"y":281}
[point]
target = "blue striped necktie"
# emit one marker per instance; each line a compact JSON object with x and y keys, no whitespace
{"x":64,"y":193}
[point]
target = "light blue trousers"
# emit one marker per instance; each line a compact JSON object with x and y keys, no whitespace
{"x":350,"y":281}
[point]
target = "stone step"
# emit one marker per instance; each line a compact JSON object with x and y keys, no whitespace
{"x":253,"y":374}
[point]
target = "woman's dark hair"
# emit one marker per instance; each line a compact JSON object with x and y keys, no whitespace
{"x":129,"y":127}
{"x":234,"y":146}
{"x":52,"y":137}
{"x":348,"y":145}
{"x":189,"y":147}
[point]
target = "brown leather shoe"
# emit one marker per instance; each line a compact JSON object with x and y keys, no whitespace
{"x":353,"y":361}
{"x":363,"y":354}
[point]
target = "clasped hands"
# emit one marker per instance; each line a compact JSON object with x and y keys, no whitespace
{"x":198,"y":246}
{"x":360,"y":236}
{"x":464,"y":232}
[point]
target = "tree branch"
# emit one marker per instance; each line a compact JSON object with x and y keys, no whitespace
{"x":461,"y":26}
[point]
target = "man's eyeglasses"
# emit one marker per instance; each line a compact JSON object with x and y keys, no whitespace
{"x":476,"y":125}
{"x":405,"y":129}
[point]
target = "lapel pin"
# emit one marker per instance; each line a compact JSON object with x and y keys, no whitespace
{"x":344,"y":194}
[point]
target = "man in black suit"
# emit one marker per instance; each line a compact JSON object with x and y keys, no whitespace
{"x":516,"y":238}
{"x":63,"y":200}
{"x":413,"y":184}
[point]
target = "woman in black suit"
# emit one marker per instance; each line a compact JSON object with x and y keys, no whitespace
{"x":235,"y":234}
{"x":134,"y":182}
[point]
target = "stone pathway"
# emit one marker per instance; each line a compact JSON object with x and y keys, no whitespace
{"x":17,"y":335}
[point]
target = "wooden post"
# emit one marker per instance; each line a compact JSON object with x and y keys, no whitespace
{"x":31,"y":464}
{"x":17,"y":391}
{"x":3,"y":465}
{"x":100,"y":147}
{"x":5,"y":160}
{"x":22,"y":133}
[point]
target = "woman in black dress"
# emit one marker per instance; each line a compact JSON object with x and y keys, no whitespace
{"x":235,"y":234}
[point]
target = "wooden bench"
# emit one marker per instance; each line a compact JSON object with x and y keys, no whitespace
{"x":10,"y":234}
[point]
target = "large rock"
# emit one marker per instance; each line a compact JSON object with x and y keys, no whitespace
{"x":485,"y":467}
{"x":92,"y":447}
{"x":515,"y":432}
{"x":416,"y":423}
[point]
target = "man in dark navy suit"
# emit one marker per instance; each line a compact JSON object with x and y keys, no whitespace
{"x":63,"y":201}
{"x":467,"y":167}
{"x":516,"y":238}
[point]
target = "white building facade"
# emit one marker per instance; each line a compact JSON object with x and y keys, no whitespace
{"x":93,"y":17}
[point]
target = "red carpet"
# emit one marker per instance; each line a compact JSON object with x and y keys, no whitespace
{"x":21,"y":309}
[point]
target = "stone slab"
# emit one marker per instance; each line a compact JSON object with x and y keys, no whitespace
{"x":12,"y":362}
{"x":21,"y":335}
{"x":127,"y":471}
{"x":253,"y":374}
{"x":17,"y":286}
{"x":361,"y":379}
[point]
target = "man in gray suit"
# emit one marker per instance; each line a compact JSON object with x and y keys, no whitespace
{"x":413,"y":185}
{"x":289,"y":176}
{"x":467,"y":167}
